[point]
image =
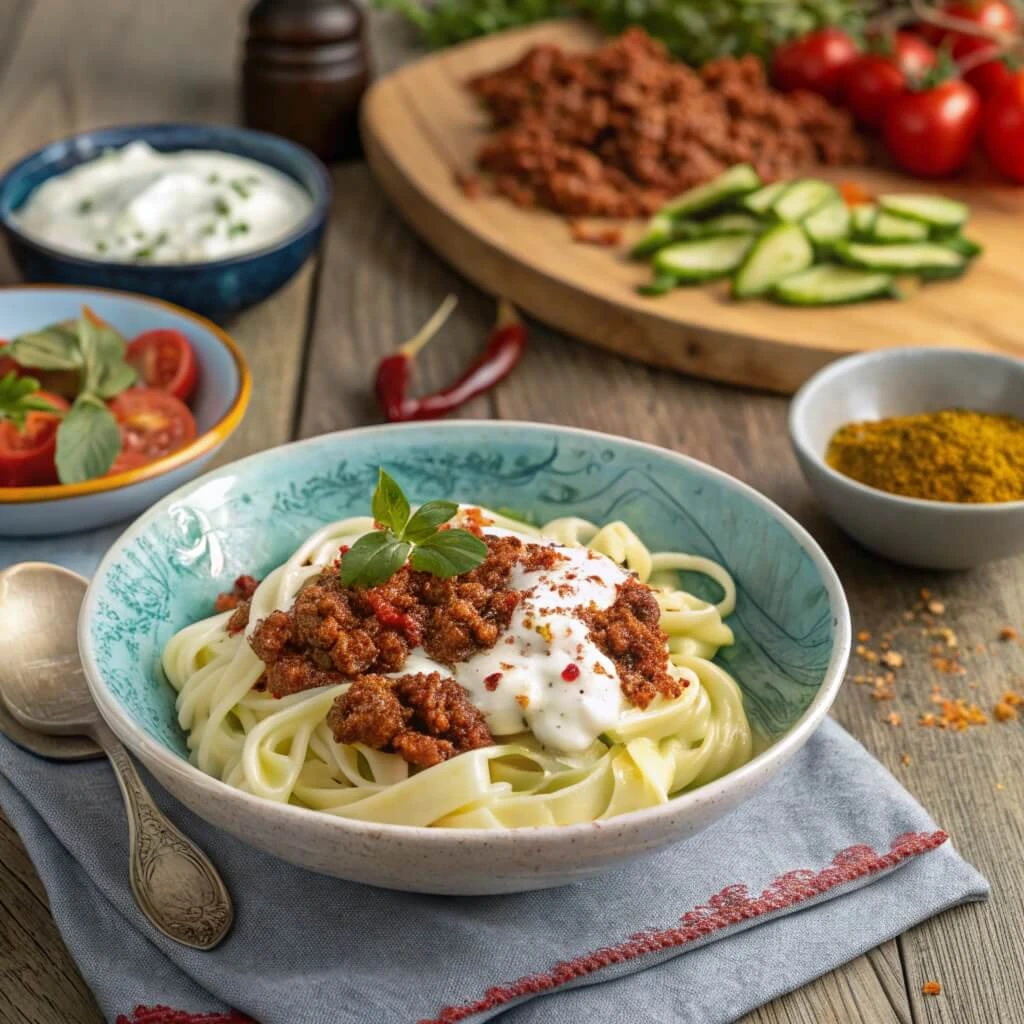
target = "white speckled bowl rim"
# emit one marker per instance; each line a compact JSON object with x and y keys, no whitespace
{"x":744,"y":778}
{"x":831,"y":379}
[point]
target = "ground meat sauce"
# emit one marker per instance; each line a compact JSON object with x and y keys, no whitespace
{"x":426,"y":718}
{"x":335,"y":634}
{"x":629,"y":634}
{"x":619,"y":130}
{"x":237,"y":598}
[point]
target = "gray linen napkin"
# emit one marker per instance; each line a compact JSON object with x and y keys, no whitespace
{"x":830,"y":859}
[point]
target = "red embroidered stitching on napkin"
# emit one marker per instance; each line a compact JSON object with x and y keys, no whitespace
{"x":728,"y":907}
{"x":165,"y":1015}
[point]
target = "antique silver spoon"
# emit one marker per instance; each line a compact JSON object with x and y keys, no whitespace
{"x":44,"y":690}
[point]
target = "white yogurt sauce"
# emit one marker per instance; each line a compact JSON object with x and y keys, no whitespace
{"x":137,"y":205}
{"x":525,"y":667}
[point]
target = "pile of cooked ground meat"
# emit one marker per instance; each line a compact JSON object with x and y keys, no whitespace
{"x":619,"y":130}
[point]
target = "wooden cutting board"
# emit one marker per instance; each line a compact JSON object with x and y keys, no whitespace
{"x":421,"y":126}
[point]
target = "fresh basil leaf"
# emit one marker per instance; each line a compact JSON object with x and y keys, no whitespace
{"x":449,"y":553}
{"x":427,"y":518}
{"x":53,"y":348}
{"x":115,"y":378}
{"x":374,"y":558}
{"x":88,"y":441}
{"x":390,"y":506}
{"x":18,"y":397}
{"x":100,"y":346}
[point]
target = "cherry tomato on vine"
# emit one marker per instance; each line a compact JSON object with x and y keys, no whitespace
{"x":932,"y":132}
{"x":817,"y":61}
{"x":873,"y":79}
{"x":871,"y":84}
{"x":991,"y":15}
{"x":989,"y":77}
{"x":1003,"y":128}
{"x":27,"y":456}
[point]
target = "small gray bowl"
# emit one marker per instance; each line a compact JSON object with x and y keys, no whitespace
{"x":900,"y":382}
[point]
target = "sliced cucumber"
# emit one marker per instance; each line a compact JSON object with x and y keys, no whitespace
{"x":862,"y":220}
{"x":660,"y":284}
{"x":908,"y":258}
{"x":829,"y":223}
{"x":659,"y":232}
{"x":723,"y":224}
{"x":964,"y":246}
{"x":829,"y":285}
{"x":803,"y":197}
{"x":703,"y":259}
{"x":888,"y":227}
{"x":936,"y":211}
{"x":760,"y":202}
{"x":779,"y":252}
{"x":733,"y":183}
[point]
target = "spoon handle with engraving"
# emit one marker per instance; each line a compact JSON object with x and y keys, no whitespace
{"x":173,"y":881}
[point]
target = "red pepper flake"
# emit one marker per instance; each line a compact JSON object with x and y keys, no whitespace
{"x":491,"y":681}
{"x":571,"y":672}
{"x":388,"y":615}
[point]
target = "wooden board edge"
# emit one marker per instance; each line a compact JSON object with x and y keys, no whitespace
{"x":702,"y":351}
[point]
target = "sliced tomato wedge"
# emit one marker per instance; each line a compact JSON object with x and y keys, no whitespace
{"x":127,"y":461}
{"x":164,"y":359}
{"x":27,"y":456}
{"x":153,"y":423}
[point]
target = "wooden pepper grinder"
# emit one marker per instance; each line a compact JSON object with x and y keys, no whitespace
{"x":304,"y":72}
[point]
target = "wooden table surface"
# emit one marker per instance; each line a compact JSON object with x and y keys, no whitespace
{"x":66,"y":65}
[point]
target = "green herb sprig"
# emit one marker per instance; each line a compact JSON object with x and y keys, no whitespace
{"x":413,"y":536}
{"x":18,"y":398}
{"x":88,"y":439}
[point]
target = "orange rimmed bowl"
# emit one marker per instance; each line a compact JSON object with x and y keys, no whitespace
{"x":218,"y":406}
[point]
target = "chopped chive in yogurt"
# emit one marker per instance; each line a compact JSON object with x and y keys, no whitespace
{"x":127,"y":197}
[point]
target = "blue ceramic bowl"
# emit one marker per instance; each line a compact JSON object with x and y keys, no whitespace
{"x":791,"y":624}
{"x":218,"y":406}
{"x":216,"y":289}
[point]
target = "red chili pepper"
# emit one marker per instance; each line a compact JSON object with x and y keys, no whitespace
{"x":503,"y":350}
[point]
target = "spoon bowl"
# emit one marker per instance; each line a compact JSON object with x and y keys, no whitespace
{"x":43,"y":689}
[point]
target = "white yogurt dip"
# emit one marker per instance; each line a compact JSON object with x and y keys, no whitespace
{"x":137,"y":205}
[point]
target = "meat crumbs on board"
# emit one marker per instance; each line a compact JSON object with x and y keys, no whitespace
{"x":931,"y":988}
{"x":619,"y":130}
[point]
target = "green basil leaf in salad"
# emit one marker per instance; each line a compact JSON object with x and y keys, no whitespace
{"x":52,"y":348}
{"x":427,"y":518}
{"x":390,"y":505}
{"x":449,"y":553}
{"x":18,"y":397}
{"x":115,"y":378}
{"x":88,"y":441}
{"x":374,"y":558}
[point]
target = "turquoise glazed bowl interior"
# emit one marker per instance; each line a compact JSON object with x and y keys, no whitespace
{"x":216,"y":288}
{"x":791,"y":621}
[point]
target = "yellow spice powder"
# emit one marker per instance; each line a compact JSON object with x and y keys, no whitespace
{"x":954,"y":455}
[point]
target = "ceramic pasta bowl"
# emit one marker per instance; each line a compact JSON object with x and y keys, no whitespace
{"x":791,"y":626}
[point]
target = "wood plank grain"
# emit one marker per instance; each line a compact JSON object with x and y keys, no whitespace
{"x":71,"y":66}
{"x":420,"y":125}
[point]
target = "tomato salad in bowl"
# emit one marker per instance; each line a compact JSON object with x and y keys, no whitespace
{"x":107,"y":405}
{"x":53,"y":429}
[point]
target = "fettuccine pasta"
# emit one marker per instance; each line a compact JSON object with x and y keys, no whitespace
{"x":573,"y":733}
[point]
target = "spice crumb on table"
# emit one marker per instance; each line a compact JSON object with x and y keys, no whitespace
{"x":931,"y":988}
